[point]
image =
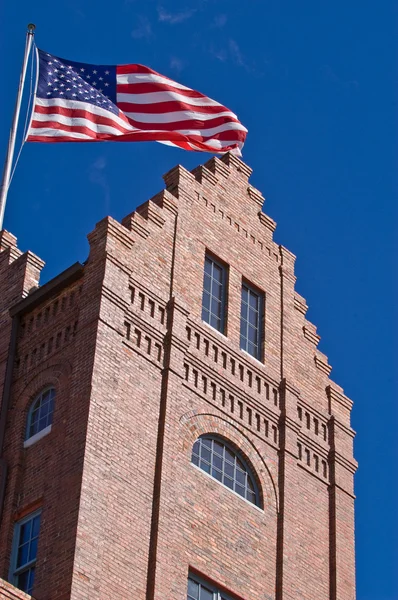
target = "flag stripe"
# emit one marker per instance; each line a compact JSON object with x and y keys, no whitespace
{"x":149,"y":86}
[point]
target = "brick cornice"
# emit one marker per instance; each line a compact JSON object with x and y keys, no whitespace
{"x":350,"y":465}
{"x":300,"y":303}
{"x":311,"y":335}
{"x":266,"y":220}
{"x":336,"y":396}
{"x":233,"y":161}
{"x":321,"y":363}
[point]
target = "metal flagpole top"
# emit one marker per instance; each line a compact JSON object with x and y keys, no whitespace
{"x":31,"y":28}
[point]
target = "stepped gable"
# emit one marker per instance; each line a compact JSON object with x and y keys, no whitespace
{"x":223,"y":186}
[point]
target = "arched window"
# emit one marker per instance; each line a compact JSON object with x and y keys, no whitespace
{"x":40,"y":414}
{"x":217,"y":458}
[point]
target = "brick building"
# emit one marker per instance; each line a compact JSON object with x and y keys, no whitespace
{"x":168,"y":427}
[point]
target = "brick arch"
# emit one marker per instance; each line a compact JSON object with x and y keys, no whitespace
{"x":54,"y":375}
{"x":208,"y":423}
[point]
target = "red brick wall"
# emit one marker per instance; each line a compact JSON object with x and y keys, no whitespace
{"x":125,"y":513}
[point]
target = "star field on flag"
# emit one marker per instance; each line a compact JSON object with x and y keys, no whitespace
{"x":79,"y":102}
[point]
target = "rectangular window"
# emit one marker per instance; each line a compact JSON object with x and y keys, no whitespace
{"x":214,"y":293}
{"x":251,"y":320}
{"x":198,"y":589}
{"x":24,"y":552}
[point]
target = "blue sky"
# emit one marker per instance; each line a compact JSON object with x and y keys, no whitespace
{"x":314,"y":84}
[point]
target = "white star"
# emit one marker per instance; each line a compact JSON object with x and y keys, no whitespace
{"x":68,"y":89}
{"x":62,"y":66}
{"x":49,"y":73}
{"x":80,"y":84}
{"x":49,"y":93}
{"x":61,"y":93}
{"x":56,"y":79}
{"x":86,"y":98}
{"x":50,"y":63}
{"x":94,"y":72}
{"x":106,"y":72}
{"x":62,"y":85}
{"x":62,"y":75}
{"x":82,"y":70}
{"x":56,"y":70}
{"x":100,"y":78}
{"x":67,"y":72}
{"x":74,"y":94}
{"x":106,"y":84}
{"x":49,"y":83}
{"x":56,"y":89}
{"x":74,"y":78}
{"x":88,"y":76}
{"x":100,"y":90}
{"x":55,"y":60}
{"x":94,"y":83}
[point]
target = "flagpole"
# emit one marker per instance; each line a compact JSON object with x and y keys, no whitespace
{"x":14,"y":126}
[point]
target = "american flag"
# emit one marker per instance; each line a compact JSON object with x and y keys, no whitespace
{"x":78,"y":102}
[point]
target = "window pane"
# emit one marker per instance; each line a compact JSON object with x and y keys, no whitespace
{"x":205,"y":466}
{"x":207,"y":443}
{"x":207,"y":283}
{"x":23,"y":553}
{"x":25,"y":532}
{"x":217,"y":462}
{"x":205,"y":315}
{"x":253,"y":318}
{"x":208,"y":265}
{"x":244,"y":294}
{"x":214,"y":322}
{"x":23,"y":581}
{"x":240,"y":476}
{"x":228,"y":482}
{"x":251,"y":497}
{"x":229,"y":469}
{"x":195,"y":459}
{"x":196,"y":447}
{"x":216,"y":474}
{"x":253,"y":300}
{"x":218,"y":448}
{"x":33,"y":549}
{"x":31,"y":579}
{"x":206,"y":300}
{"x":217,"y":273}
{"x":205,"y":593}
{"x":205,"y":453}
{"x":229,"y":456}
{"x":239,"y":489}
{"x":252,"y":335}
{"x":193,"y":589}
{"x":215,"y":307}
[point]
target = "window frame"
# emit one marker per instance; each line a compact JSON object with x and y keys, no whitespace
{"x":31,"y":439}
{"x":218,"y":593}
{"x":252,"y":289}
{"x":14,"y":571}
{"x":224,"y":292}
{"x":238,"y":455}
